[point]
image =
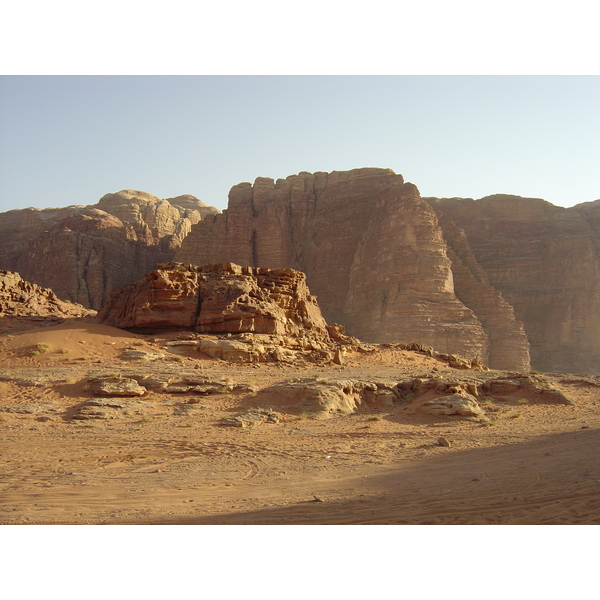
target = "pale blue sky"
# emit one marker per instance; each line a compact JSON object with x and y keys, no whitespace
{"x":71,"y":139}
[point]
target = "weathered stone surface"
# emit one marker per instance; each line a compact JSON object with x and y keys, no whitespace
{"x":508,"y":346}
{"x":109,"y":408}
{"x":19,"y":298}
{"x":461,"y":404}
{"x":232,"y":351}
{"x":371,"y":248}
{"x":116,"y":386}
{"x":83,"y":252}
{"x":327,"y":398}
{"x":516,"y":387}
{"x":142,"y":355}
{"x":223,"y":298}
{"x":545,"y":261}
{"x":28,"y":408}
{"x":253,"y":417}
{"x":527,"y":387}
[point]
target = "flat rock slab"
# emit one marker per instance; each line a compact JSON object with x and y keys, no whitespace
{"x":109,"y":408}
{"x":254,"y":417}
{"x":116,"y":386}
{"x":142,"y":355}
{"x":463,"y":405}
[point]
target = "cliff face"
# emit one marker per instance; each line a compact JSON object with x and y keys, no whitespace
{"x":545,"y":261}
{"x":373,"y":252}
{"x":489,"y":279}
{"x":83,"y":252}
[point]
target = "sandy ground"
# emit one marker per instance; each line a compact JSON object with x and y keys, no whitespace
{"x":176,"y":463}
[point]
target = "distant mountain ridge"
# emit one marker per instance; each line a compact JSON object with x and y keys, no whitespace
{"x":83,"y":252}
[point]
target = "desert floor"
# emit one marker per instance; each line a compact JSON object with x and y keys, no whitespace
{"x":175,"y":463}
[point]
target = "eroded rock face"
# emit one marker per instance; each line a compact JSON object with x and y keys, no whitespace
{"x":441,"y":396}
{"x":372,"y":250}
{"x":83,"y":252}
{"x":222,"y":298}
{"x":19,"y":298}
{"x":545,"y":261}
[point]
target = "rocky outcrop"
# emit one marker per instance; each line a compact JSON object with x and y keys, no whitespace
{"x":545,"y":261}
{"x":374,"y":255}
{"x":221,"y":298}
{"x":19,"y":298}
{"x":83,"y":252}
{"x":239,"y":314}
{"x":441,"y":396}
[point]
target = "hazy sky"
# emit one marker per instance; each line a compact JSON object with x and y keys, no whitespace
{"x":71,"y":139}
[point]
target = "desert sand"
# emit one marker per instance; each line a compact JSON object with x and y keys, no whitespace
{"x":168,"y":459}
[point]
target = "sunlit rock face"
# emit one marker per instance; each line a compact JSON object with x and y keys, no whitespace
{"x":218,"y":298}
{"x":19,"y":298}
{"x":545,"y":261}
{"x":374,"y":255}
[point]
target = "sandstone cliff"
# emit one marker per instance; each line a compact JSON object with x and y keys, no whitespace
{"x":545,"y":261}
{"x":374,"y":255}
{"x":83,"y":252}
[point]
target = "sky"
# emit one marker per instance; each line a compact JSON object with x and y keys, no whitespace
{"x":71,"y":139}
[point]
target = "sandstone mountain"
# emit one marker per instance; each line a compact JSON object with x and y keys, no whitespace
{"x":491,"y":279}
{"x":83,"y":252}
{"x":374,"y":255}
{"x":544,"y":260}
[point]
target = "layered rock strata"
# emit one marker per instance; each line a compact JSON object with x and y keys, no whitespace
{"x":19,"y":298}
{"x":219,"y":298}
{"x":373,"y":253}
{"x":440,"y":396}
{"x":83,"y":252}
{"x":545,"y":261}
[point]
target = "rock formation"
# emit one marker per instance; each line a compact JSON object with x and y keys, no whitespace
{"x":487,"y":279}
{"x":544,"y":260}
{"x":83,"y":252}
{"x":271,"y":312}
{"x":221,"y":298}
{"x":19,"y":298}
{"x":374,"y":255}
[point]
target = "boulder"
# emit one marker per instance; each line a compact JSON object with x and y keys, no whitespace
{"x":461,"y":404}
{"x":116,"y":386}
{"x":323,"y":398}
